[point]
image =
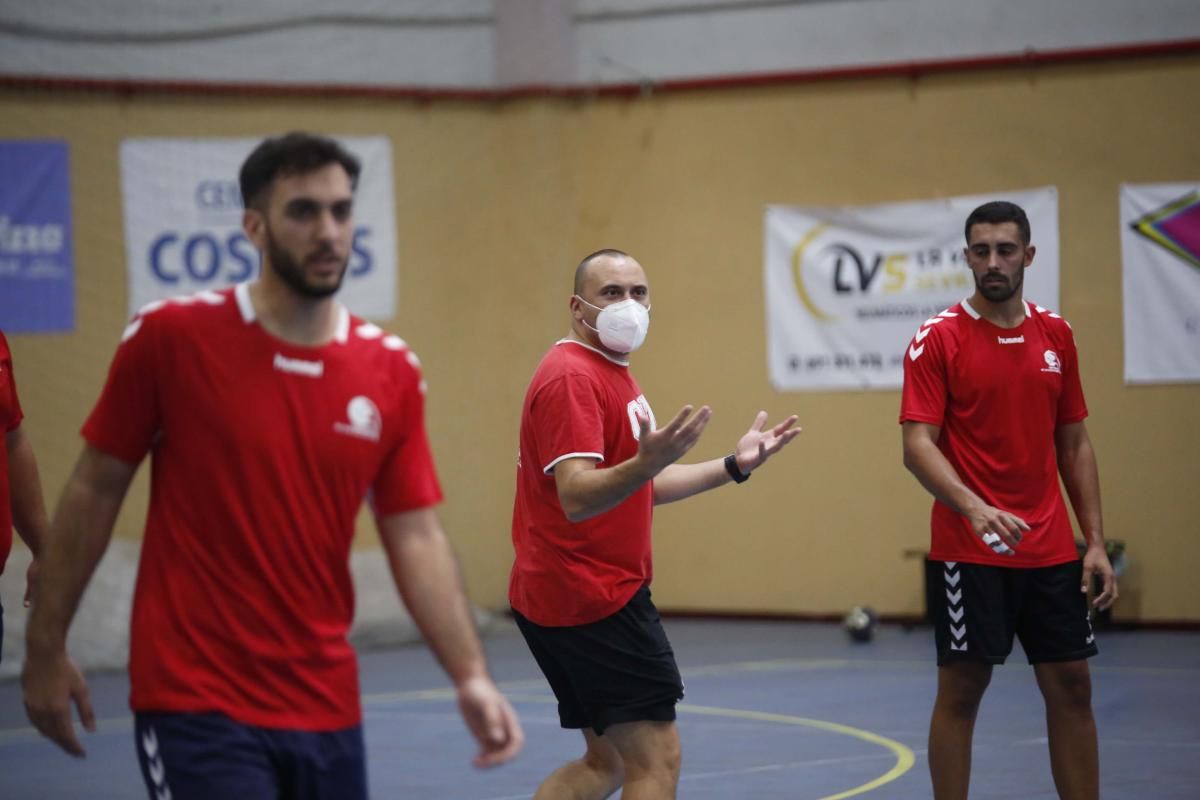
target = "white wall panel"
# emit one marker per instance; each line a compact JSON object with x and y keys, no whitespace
{"x":454,"y":43}
{"x":435,"y":44}
{"x":624,"y":40}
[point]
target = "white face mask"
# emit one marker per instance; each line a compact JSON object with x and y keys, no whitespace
{"x":622,"y":326}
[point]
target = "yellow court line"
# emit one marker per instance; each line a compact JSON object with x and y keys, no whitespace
{"x":904,"y":756}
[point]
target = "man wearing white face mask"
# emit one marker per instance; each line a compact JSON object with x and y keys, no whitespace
{"x":591,"y":466}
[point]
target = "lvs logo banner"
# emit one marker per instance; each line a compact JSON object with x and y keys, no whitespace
{"x":847,"y":288}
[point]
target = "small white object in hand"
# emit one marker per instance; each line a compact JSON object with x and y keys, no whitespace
{"x":994,"y":541}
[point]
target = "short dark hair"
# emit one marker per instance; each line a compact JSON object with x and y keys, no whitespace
{"x":294,"y":153}
{"x":998,"y":212}
{"x":581,"y":270}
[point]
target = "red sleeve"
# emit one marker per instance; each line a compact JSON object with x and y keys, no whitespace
{"x":10,"y":404}
{"x":924,"y":396}
{"x":1071,"y":405}
{"x":407,"y":478}
{"x":568,"y":418}
{"x":127,"y":416}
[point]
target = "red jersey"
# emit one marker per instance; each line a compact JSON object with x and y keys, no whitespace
{"x":580,"y":404}
{"x":263,"y":452}
{"x":10,"y":419}
{"x":998,"y":395}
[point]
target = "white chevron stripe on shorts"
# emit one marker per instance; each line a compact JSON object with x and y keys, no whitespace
{"x":955,"y":607}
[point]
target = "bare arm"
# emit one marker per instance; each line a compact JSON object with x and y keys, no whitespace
{"x":678,"y":481}
{"x":1081,"y":476}
{"x":924,"y":460}
{"x":82,"y":527}
{"x":427,"y":575}
{"x":584,"y":490}
{"x":28,"y":506}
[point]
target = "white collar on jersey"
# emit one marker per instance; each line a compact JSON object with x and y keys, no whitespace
{"x":241,"y":292}
{"x":973,"y":314}
{"x":585,"y":346}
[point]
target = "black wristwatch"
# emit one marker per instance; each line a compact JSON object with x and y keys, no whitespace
{"x":731,"y":466}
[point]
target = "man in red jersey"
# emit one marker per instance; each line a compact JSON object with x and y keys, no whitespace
{"x":591,"y":466}
{"x":992,"y":414}
{"x":271,"y":413}
{"x":21,"y":503}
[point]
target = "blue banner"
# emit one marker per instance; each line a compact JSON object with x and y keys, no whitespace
{"x":37,"y":277}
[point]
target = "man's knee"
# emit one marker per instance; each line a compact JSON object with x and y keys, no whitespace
{"x":603,"y":760}
{"x":961,"y":686}
{"x":1067,"y":685}
{"x":647,"y":747}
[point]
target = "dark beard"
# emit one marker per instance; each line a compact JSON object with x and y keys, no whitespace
{"x":997,"y":292}
{"x":292,"y":273}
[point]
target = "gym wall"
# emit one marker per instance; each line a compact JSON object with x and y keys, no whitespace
{"x":497,"y":200}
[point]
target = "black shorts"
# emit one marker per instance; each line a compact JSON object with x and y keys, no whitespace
{"x":201,"y":756}
{"x":618,"y":669}
{"x":978,"y":608}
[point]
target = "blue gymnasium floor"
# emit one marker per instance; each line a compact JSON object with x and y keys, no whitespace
{"x":773,"y":710}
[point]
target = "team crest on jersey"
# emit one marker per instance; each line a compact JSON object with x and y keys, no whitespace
{"x":362,"y":419}
{"x":1052,"y":362}
{"x":639,"y":407}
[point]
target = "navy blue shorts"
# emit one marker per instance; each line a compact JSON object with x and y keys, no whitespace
{"x":211,"y":757}
{"x":618,"y":669}
{"x":977,"y":609}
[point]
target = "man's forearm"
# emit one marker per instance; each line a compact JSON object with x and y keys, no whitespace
{"x":1081,"y":476}
{"x":430,"y":584}
{"x":79,"y":534}
{"x":680,"y":481}
{"x":930,"y":467}
{"x":587,"y":492}
{"x":25,"y":492}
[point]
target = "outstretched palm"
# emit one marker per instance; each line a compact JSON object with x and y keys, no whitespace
{"x":757,"y":445}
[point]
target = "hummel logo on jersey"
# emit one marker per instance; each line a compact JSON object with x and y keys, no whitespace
{"x":1052,"y":362}
{"x":363,"y":419}
{"x":1011,"y":339}
{"x":298,"y":366}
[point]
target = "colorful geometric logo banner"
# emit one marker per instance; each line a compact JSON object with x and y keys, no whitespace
{"x":1175,"y":226}
{"x":1160,"y":279}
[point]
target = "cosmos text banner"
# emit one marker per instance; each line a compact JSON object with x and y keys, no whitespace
{"x":183,"y":221}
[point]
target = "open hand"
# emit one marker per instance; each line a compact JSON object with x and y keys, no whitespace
{"x":663,"y":447}
{"x":757,"y":445}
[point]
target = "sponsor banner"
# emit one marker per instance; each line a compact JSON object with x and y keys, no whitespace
{"x":848,"y":287}
{"x":1160,"y":281}
{"x":183,"y":221}
{"x":37,"y":274}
